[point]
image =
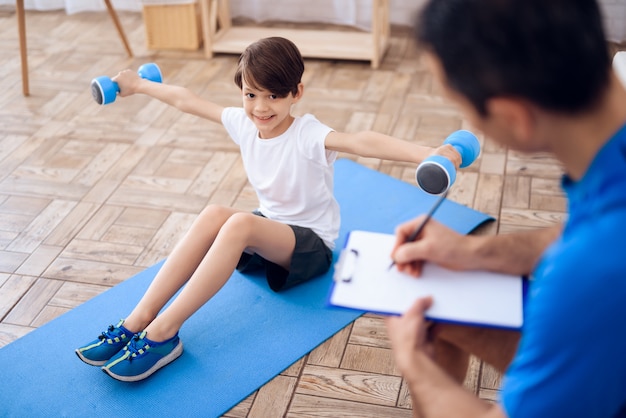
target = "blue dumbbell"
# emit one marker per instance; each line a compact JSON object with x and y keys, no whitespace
{"x":436,"y":173}
{"x":104,"y":90}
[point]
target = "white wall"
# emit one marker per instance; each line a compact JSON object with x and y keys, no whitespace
{"x":619,"y":64}
{"x":614,"y":19}
{"x":345,"y":12}
{"x":350,"y":12}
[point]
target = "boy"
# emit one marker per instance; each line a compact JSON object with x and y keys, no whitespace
{"x":288,"y":161}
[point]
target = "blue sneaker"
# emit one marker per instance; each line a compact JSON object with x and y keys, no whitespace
{"x":109,"y":343}
{"x":142,"y":357}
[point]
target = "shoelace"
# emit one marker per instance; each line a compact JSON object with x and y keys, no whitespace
{"x":132,"y":349}
{"x":107,"y":334}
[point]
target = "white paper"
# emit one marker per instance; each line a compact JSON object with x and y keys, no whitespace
{"x":474,"y":297}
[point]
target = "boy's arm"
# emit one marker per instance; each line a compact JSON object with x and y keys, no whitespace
{"x":181,"y":98}
{"x":377,"y":145}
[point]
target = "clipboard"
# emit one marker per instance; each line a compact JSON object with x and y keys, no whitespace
{"x":363,"y":281}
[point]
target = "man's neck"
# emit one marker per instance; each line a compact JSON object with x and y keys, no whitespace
{"x":576,"y":140}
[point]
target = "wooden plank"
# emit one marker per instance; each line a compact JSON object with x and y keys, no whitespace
{"x":516,"y":192}
{"x":10,"y":261}
{"x":490,"y":377}
{"x":296,"y":368}
{"x":37,"y":231}
{"x":242,"y":408}
{"x":72,"y":294}
{"x":488,"y":201}
{"x":47,"y":314}
{"x":530,"y":218}
{"x":273,"y":398}
{"x":91,"y":272}
{"x":404,"y":398}
{"x":370,"y":330}
{"x":472,"y":378}
{"x":349,"y":385}
{"x":312,"y":43}
{"x":12,"y":290}
{"x":101,"y":251}
{"x":332,"y":44}
{"x":10,"y":333}
{"x":32,"y":303}
{"x":330,"y":352}
{"x":369,"y":359}
{"x":172,"y":231}
{"x":306,"y":406}
{"x":71,"y":225}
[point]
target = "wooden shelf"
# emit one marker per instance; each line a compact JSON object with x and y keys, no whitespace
{"x":220,"y":36}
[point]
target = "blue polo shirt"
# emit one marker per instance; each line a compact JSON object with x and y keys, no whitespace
{"x":571,"y":361}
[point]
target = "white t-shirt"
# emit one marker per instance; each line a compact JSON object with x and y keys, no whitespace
{"x":292,"y":174}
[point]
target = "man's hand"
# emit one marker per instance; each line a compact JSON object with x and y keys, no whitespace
{"x":436,"y":243}
{"x":409,"y":334}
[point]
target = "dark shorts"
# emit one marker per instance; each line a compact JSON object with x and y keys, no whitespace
{"x":311,"y":258}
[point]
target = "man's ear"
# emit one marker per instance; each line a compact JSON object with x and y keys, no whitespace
{"x":516,"y":115}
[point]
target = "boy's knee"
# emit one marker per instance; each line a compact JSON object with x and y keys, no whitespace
{"x":211,"y":218}
{"x":240,"y":224}
{"x":214,"y":211}
{"x":214,"y":214}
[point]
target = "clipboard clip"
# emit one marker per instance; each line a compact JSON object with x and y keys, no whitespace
{"x":345,"y":265}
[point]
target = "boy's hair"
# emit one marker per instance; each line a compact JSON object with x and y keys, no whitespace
{"x":272,"y":64}
{"x":550,"y":52}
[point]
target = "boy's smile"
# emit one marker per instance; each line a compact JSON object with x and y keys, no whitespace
{"x":269,"y":113}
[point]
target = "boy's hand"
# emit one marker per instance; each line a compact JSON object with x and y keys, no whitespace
{"x":450,"y":153}
{"x":128,"y":82}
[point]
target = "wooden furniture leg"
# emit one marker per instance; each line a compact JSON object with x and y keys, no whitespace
{"x":118,"y":26}
{"x":215,"y":20}
{"x":21,"y":27}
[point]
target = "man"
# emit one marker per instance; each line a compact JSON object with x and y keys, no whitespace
{"x":536,"y":76}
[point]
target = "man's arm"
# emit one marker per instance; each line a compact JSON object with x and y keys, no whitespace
{"x":179,"y":97}
{"x":515,"y":253}
{"x":434,"y":394}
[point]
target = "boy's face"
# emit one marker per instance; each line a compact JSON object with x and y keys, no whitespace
{"x":271,"y":114}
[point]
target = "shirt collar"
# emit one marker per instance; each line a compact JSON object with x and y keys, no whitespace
{"x":606,"y":168}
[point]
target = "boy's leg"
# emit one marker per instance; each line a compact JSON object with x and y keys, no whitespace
{"x":171,"y":277}
{"x":179,"y":265}
{"x":272,"y":240}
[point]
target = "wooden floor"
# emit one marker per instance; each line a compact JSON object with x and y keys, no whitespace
{"x":91,"y":195}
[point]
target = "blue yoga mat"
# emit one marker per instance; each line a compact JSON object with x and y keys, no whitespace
{"x":237,"y":342}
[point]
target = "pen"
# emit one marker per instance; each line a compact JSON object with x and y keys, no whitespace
{"x":421,"y":226}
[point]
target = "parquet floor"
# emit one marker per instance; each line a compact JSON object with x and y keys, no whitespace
{"x":91,"y":195}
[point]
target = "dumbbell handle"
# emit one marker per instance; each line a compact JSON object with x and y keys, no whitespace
{"x":436,"y":173}
{"x":104,"y":90}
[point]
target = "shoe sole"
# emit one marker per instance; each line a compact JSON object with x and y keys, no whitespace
{"x":89,"y":361}
{"x":173,"y":355}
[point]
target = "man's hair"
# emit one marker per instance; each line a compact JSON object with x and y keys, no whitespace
{"x":550,"y":52}
{"x":272,"y":64}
